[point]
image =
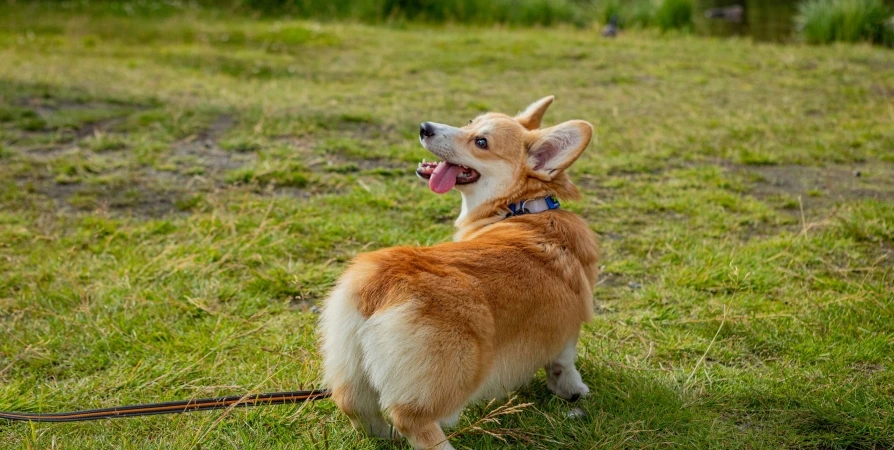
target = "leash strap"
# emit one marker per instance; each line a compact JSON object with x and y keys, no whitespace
{"x":273,"y":398}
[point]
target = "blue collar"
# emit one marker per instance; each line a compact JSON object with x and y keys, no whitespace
{"x":532,"y":206}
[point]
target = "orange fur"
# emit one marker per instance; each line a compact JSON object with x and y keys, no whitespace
{"x":422,"y":331}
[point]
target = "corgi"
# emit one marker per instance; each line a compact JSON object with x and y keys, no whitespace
{"x":420,"y":332}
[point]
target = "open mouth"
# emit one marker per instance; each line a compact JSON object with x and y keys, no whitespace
{"x":443,"y":175}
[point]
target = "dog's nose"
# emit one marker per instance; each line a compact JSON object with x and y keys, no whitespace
{"x":426,"y":130}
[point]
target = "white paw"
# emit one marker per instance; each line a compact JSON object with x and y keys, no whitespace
{"x":450,"y":421}
{"x":378,"y":429}
{"x":566,"y":383}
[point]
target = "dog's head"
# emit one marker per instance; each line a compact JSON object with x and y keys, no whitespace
{"x":498,"y":156}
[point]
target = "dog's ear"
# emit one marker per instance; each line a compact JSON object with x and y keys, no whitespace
{"x":555,"y":148}
{"x":530,"y":117}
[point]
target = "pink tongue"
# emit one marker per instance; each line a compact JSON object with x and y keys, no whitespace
{"x":443,"y":178}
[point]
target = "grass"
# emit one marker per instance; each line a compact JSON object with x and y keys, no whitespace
{"x":663,"y":14}
{"x":674,"y":14}
{"x":198,"y":180}
{"x":509,"y":12}
{"x":827,"y":21}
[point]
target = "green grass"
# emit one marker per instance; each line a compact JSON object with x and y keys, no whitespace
{"x":674,"y":15}
{"x":664,"y":14}
{"x":827,"y":21}
{"x":199,"y":180}
{"x":507,"y":12}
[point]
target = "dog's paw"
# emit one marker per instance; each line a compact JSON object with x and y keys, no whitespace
{"x":450,"y":421}
{"x":377,"y":428}
{"x":567,"y":384}
{"x":572,"y":393}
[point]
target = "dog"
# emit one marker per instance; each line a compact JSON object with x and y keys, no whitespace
{"x":420,"y":332}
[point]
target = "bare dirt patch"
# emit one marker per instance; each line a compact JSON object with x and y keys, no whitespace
{"x":204,"y":149}
{"x":141,"y":198}
{"x":820,"y":187}
{"x":86,"y":118}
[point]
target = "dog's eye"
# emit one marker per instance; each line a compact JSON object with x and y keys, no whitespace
{"x":481,"y":143}
{"x":470,"y":122}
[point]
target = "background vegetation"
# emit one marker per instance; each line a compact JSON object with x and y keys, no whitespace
{"x":818,"y":21}
{"x":827,"y":21}
{"x":180,"y":186}
{"x":525,"y":12}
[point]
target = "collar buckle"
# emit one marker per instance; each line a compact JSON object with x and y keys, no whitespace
{"x":532,"y":206}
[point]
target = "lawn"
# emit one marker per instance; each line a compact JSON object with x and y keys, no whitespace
{"x":179,"y":188}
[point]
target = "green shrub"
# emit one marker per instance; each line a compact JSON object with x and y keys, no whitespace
{"x":642,"y":13}
{"x":826,"y":21}
{"x":629,"y":13}
{"x":665,"y":14}
{"x":523,"y":12}
{"x":674,"y":15}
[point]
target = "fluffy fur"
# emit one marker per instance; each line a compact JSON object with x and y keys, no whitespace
{"x":419,"y":332}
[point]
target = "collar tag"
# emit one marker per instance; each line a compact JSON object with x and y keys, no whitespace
{"x":533,"y":206}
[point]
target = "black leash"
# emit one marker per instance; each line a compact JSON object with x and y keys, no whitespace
{"x":238,"y":401}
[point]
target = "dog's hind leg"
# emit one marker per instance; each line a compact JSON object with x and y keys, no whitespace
{"x":450,"y":420}
{"x":360,"y":402}
{"x":425,"y":367}
{"x":421,"y":431}
{"x":343,"y":364}
{"x":562,"y":378}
